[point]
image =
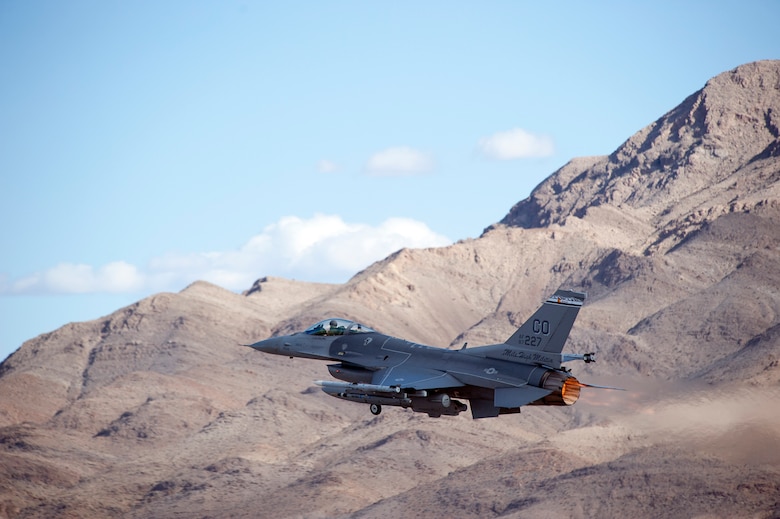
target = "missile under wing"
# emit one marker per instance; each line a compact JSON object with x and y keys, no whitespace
{"x":378,"y":369}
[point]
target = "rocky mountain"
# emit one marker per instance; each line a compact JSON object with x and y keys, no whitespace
{"x":158,"y":411}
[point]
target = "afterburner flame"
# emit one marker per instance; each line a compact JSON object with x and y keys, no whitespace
{"x":565,"y":388}
{"x":570,"y":392}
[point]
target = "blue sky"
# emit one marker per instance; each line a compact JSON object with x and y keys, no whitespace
{"x":145,"y":145}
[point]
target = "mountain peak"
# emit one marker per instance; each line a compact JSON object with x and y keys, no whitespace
{"x":699,"y":158}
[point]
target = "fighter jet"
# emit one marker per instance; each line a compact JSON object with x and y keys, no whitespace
{"x":377,"y":369}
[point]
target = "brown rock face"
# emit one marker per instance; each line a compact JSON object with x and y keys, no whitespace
{"x":157,"y":410}
{"x":714,"y":154}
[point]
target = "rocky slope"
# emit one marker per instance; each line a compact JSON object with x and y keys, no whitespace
{"x":158,"y":411}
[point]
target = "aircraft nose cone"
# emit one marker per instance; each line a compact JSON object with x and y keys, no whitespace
{"x":272,"y":345}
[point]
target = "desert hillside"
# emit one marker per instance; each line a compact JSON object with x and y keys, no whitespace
{"x":157,"y":410}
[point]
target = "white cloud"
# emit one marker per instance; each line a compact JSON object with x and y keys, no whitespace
{"x":327,"y":166}
{"x":516,"y":144}
{"x":401,"y":160}
{"x":69,"y":278}
{"x":321,"y":248}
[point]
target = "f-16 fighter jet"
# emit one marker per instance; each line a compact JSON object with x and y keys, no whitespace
{"x":377,"y":369}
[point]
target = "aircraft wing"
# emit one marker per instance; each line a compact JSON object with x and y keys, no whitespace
{"x":415,"y":377}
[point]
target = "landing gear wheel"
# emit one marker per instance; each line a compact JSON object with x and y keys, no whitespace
{"x":375,"y":409}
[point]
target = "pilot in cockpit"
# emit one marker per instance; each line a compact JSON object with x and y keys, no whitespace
{"x":335,"y":329}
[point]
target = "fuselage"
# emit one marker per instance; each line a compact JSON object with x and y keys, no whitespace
{"x":378,"y":369}
{"x":373,"y":357}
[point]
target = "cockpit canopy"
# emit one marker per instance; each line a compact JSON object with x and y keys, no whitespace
{"x":337,"y":327}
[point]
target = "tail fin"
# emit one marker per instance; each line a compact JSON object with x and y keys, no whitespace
{"x":548,"y":329}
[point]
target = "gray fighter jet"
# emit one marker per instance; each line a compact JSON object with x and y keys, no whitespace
{"x":378,"y":370}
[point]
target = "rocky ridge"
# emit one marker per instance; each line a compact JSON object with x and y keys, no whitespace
{"x":158,"y":409}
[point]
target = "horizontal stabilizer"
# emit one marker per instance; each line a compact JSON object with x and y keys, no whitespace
{"x":518,"y":396}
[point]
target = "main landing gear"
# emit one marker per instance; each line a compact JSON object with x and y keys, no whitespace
{"x":375,"y":409}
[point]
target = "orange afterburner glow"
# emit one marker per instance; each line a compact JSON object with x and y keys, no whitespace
{"x":565,"y":388}
{"x":570,"y":392}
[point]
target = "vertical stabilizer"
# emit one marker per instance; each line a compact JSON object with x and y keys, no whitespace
{"x":548,"y":329}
